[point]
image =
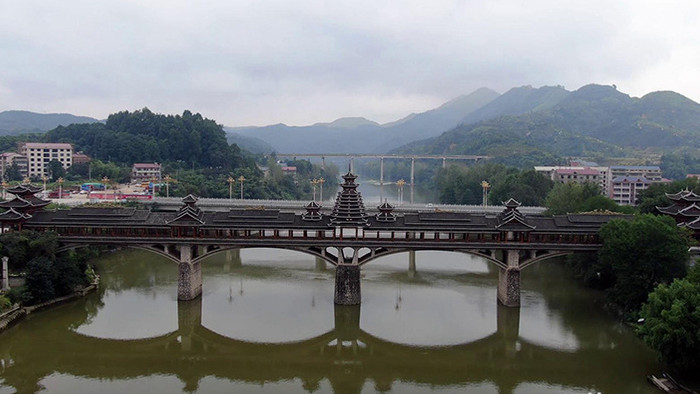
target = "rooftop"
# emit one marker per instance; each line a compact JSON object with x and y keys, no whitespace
{"x":146,"y":165}
{"x":576,"y":171}
{"x":47,"y":145}
{"x":639,"y":168}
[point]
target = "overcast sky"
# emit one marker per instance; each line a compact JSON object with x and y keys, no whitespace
{"x":261,"y":62}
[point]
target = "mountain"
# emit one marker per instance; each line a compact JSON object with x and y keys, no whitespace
{"x":519,"y":101}
{"x":359,"y":135}
{"x":251,"y":144}
{"x":18,"y":122}
{"x":349,"y":123}
{"x":436,"y":121}
{"x":594,"y":119}
{"x":319,"y":138}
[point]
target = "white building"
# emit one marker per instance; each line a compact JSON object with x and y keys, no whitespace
{"x":39,"y":154}
{"x":578,"y":174}
{"x":145,"y":172}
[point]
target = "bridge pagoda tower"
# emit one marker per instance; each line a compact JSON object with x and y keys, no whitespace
{"x":186,"y":223}
{"x":349,"y":220}
{"x":21,"y":208}
{"x":515,"y":227}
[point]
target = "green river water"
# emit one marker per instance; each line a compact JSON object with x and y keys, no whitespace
{"x":266,"y":323}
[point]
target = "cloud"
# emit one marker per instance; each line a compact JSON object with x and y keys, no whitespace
{"x":271,"y":61}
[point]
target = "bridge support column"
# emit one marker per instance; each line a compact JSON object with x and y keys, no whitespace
{"x":509,"y":280}
{"x":413,"y":176}
{"x":347,"y":284}
{"x":189,"y":284}
{"x":381,"y":180}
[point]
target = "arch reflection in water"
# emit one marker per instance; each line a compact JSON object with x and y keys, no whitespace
{"x":345,"y":357}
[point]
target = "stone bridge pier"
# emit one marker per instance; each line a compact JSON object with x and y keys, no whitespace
{"x":347,"y":279}
{"x":189,"y":284}
{"x":509,"y":279}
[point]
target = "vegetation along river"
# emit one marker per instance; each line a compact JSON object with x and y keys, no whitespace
{"x":266,"y":323}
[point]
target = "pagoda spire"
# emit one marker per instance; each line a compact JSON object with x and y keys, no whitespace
{"x":349,"y":210}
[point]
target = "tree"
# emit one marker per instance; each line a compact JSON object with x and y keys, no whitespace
{"x":528,"y":187}
{"x":570,"y":197}
{"x":12,"y":173}
{"x":39,"y":280}
{"x":69,"y":273}
{"x":56,"y":170}
{"x":642,"y":253}
{"x":672,"y":322}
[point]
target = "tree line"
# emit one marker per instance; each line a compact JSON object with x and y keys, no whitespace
{"x":192,"y":149}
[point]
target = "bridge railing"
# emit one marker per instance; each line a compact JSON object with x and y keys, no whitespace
{"x":299,"y":205}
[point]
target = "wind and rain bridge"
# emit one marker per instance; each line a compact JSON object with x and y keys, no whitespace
{"x":348,"y":238}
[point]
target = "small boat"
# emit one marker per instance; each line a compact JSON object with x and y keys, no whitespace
{"x":667,"y":384}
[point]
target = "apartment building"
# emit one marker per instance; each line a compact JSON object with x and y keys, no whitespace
{"x":626,"y":189}
{"x":577,"y":174}
{"x":652,"y":173}
{"x":7,"y":159}
{"x":39,"y":154}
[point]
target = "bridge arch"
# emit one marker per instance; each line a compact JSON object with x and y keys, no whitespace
{"x":149,"y":248}
{"x":381,"y":252}
{"x":545,"y":256}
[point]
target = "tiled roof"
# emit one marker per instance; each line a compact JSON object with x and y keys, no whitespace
{"x":630,"y":179}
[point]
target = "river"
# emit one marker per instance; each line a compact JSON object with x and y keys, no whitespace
{"x":266,"y":323}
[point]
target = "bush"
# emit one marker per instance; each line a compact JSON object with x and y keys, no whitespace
{"x":18,"y":295}
{"x":5,"y":303}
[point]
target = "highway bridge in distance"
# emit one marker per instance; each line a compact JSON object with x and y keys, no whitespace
{"x":381,"y":157}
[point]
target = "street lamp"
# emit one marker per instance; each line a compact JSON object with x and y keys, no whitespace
{"x":153,"y":188}
{"x":105,"y":181}
{"x":321,"y":181}
{"x":314,"y":182}
{"x":4,"y":186}
{"x":44,"y":178}
{"x":230,"y":181}
{"x":485,"y":193}
{"x":400,"y":183}
{"x":167,"y":185}
{"x":60,"y":187}
{"x":241,"y":179}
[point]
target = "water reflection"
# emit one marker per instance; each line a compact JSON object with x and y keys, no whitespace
{"x":272,"y":327}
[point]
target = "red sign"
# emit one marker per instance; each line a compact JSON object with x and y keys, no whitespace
{"x":119,"y":196}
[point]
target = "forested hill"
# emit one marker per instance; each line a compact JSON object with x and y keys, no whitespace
{"x":19,"y":122}
{"x":592,"y":121}
{"x":143,"y":136}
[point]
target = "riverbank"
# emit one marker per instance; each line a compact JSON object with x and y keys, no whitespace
{"x":16,"y":314}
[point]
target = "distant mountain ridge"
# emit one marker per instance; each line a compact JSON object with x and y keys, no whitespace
{"x":518,"y":101}
{"x":593,"y":120}
{"x":18,"y":122}
{"x":359,"y":135}
{"x":540,"y":124}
